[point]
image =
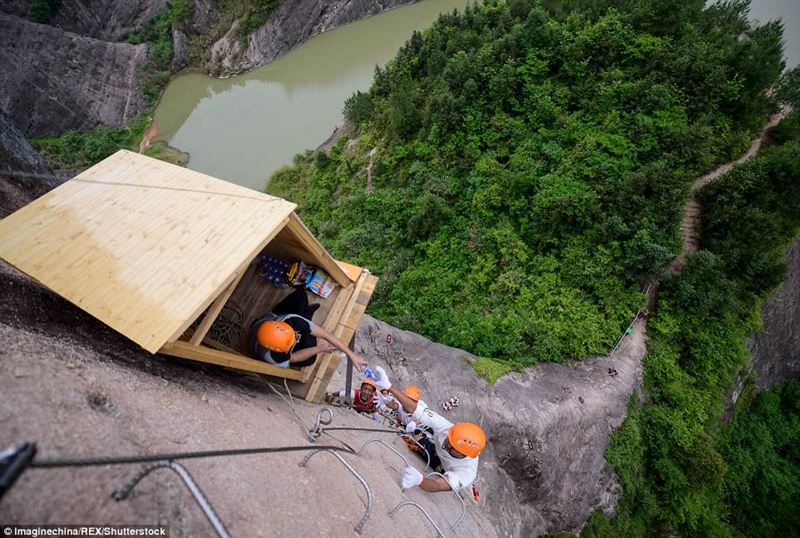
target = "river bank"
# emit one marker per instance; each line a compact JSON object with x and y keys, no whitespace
{"x":245,"y":128}
{"x":67,"y":71}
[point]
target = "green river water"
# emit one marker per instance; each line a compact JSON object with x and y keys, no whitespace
{"x":245,"y":128}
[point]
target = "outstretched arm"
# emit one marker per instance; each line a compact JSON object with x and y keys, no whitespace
{"x":434,"y":484}
{"x":408,"y":404}
{"x":359,"y":361}
{"x":413,"y":478}
{"x":302,"y":354}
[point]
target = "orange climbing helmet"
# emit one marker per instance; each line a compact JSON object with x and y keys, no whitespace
{"x":413,"y":392}
{"x":368,"y":381}
{"x":277,"y":336}
{"x":467,"y":438}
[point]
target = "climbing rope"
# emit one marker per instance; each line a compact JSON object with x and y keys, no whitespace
{"x":227,"y":328}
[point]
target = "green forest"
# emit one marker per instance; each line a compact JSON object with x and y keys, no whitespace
{"x":531,"y":164}
{"x":681,"y":467}
{"x":516,"y":176}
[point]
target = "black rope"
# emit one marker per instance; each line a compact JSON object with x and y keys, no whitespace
{"x":123,"y":460}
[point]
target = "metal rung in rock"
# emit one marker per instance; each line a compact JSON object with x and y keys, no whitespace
{"x":181,"y":471}
{"x":439,"y":533}
{"x":360,"y":526}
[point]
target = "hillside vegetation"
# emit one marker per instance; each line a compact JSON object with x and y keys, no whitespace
{"x":531,"y":163}
{"x":681,"y":469}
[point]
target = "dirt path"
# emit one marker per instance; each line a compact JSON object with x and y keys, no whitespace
{"x":371,"y":154}
{"x":149,"y":135}
{"x":692,"y":212}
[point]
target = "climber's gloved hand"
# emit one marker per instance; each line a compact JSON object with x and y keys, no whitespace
{"x":411,"y":478}
{"x":411,"y":426}
{"x":383,"y":379}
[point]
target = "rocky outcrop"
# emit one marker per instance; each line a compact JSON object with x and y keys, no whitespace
{"x":109,"y":20}
{"x":776,"y":350}
{"x":202,"y":13}
{"x":54,"y":80}
{"x":178,"y":50}
{"x":290,"y":25}
{"x":23,"y":173}
{"x":544,"y":468}
{"x":15,"y":7}
{"x":15,"y":152}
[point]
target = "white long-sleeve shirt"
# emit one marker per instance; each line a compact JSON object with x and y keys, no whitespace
{"x":460,"y":473}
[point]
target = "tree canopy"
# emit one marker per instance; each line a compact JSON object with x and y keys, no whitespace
{"x":531,"y":161}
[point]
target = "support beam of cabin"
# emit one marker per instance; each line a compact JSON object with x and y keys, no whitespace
{"x":349,"y":325}
{"x":214,"y":310}
{"x":185,"y":350}
{"x":346,"y":318}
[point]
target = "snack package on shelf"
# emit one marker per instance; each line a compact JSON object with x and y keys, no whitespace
{"x":313,"y":278}
{"x":321,"y":284}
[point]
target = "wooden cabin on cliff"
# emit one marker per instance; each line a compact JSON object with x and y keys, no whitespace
{"x":169,"y":258}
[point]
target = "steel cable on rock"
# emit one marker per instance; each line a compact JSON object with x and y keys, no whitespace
{"x":124,"y":460}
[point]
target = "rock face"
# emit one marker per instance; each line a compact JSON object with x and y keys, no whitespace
{"x":109,"y":20}
{"x":15,"y":7}
{"x":54,"y":80}
{"x":15,"y":152}
{"x":290,"y":25}
{"x":776,"y":350}
{"x":548,"y":427}
{"x":23,"y":173}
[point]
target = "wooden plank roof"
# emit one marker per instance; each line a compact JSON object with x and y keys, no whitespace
{"x":140,"y":244}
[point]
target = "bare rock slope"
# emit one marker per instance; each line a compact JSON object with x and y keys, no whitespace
{"x":54,"y":80}
{"x":79,"y":389}
{"x":109,"y":20}
{"x":776,"y":350}
{"x":548,"y":427}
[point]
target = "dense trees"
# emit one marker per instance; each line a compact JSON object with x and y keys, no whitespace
{"x":532,"y":161}
{"x":677,"y":475}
